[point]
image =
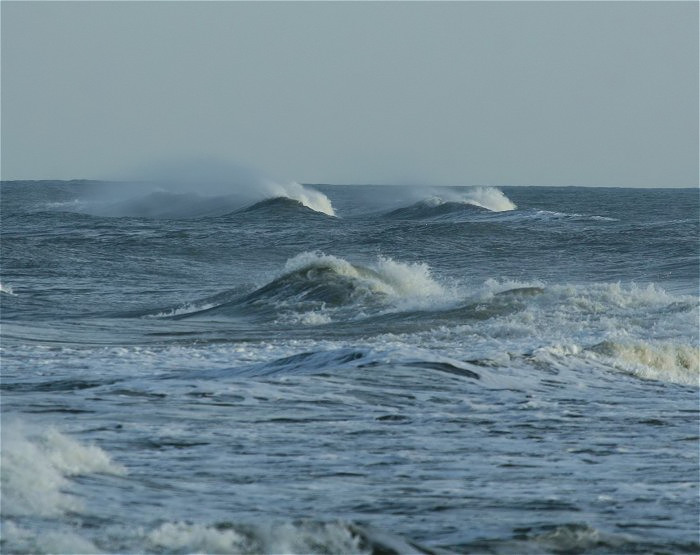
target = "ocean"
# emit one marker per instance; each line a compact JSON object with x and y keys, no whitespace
{"x":349,"y":369}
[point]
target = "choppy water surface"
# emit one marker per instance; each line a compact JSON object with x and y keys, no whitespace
{"x":349,"y":369}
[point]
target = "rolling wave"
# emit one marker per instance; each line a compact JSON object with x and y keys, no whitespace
{"x":314,"y":281}
{"x":170,"y":205}
{"x":434,"y":209}
{"x":450,"y":203}
{"x":280,"y":207}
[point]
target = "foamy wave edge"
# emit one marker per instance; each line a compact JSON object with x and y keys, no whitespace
{"x":36,"y":466}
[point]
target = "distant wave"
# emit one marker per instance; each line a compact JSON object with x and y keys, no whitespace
{"x":311,"y":198}
{"x":280,"y":206}
{"x":161,"y":201}
{"x":433,"y":208}
{"x":451,"y":202}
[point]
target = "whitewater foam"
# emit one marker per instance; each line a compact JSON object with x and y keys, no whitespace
{"x":656,"y":360}
{"x":19,"y":540}
{"x":303,"y":537}
{"x":36,"y":466}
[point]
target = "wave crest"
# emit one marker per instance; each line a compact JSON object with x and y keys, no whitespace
{"x":654,"y":360}
{"x":448,"y":202}
{"x":385,"y":277}
{"x":311,"y":198}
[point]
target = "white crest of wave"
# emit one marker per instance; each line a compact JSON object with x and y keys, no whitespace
{"x":397,"y":279}
{"x":36,"y":465}
{"x":490,"y":198}
{"x":311,"y":198}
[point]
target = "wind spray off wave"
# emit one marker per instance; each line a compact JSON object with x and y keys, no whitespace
{"x":190,"y":189}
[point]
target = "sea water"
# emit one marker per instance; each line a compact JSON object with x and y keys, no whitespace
{"x":348,"y":369}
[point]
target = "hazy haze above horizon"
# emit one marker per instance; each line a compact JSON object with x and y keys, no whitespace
{"x":453,"y":93}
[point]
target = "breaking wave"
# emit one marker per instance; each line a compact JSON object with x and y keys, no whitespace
{"x":282,"y":206}
{"x":192,"y":189}
{"x":313,"y":281}
{"x":311,"y":198}
{"x":36,"y":466}
{"x":445,"y":203}
{"x":490,"y":198}
{"x":176,"y":205}
{"x":657,"y":360}
{"x":294,"y":537}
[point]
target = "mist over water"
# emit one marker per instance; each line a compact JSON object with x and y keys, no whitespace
{"x":197,"y":188}
{"x":210,"y":362}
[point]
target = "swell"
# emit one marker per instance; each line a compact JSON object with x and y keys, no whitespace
{"x":427,"y":209}
{"x":280,"y":207}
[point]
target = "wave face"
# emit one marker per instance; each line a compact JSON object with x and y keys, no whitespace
{"x":434,"y":208}
{"x":231,"y":370}
{"x":313,"y":287}
{"x":281,"y":207}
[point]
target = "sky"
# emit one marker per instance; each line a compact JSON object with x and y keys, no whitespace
{"x":439,"y":93}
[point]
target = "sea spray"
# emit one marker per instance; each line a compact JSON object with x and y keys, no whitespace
{"x":195,"y":188}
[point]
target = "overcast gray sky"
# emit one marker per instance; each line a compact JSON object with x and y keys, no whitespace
{"x":460,"y":93}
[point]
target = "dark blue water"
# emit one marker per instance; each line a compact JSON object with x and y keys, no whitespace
{"x":348,"y":369}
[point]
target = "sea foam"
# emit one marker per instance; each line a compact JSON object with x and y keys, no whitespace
{"x":36,"y":466}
